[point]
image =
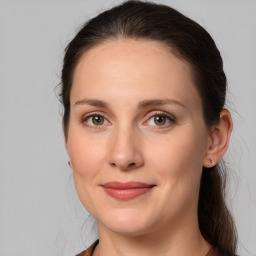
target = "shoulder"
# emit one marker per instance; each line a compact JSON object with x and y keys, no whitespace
{"x":89,"y":251}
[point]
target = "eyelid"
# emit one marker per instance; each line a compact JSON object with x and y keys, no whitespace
{"x":171,"y":118}
{"x":91,"y":114}
{"x":150,"y":115}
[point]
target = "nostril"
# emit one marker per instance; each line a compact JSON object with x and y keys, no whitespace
{"x":123,"y":166}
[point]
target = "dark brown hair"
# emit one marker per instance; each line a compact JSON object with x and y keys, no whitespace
{"x":191,"y":43}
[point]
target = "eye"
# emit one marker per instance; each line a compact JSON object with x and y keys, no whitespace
{"x":161,"y":119}
{"x":95,"y":120}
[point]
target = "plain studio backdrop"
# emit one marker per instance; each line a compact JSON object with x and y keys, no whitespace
{"x":40,"y":213}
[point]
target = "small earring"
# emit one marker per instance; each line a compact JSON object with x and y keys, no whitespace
{"x":69,"y":163}
{"x":211,"y":161}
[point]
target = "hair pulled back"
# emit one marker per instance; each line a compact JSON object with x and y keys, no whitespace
{"x":191,"y":43}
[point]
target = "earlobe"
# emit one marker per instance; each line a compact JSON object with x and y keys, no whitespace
{"x":67,"y":150}
{"x":219,"y":140}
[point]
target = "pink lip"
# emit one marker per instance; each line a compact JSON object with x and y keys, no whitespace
{"x":127,"y":190}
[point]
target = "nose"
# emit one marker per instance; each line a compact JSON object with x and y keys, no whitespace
{"x":125,"y":150}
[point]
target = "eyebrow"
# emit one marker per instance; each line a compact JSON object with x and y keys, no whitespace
{"x":142,"y":104}
{"x":92,"y":102}
{"x":157,"y":102}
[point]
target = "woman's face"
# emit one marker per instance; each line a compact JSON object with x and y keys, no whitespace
{"x":137,"y":140}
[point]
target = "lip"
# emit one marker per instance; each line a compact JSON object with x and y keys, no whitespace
{"x":127,"y":190}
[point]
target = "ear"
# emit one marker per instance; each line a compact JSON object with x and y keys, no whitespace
{"x":219,"y":140}
{"x":67,"y":150}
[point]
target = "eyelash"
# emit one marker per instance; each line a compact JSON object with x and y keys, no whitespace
{"x":171,"y":119}
{"x":84,"y":120}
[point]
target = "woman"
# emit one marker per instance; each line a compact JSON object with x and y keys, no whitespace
{"x":143,"y":90}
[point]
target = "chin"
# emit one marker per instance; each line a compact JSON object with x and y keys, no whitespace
{"x":126,"y":224}
{"x":128,"y":230}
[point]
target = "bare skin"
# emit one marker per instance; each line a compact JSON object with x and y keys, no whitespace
{"x":136,"y":116}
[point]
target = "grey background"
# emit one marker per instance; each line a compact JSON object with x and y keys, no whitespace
{"x":39,"y":210}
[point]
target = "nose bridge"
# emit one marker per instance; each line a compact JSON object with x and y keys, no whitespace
{"x":125,"y":150}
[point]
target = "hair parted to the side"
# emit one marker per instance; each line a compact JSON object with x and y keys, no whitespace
{"x":190,"y":42}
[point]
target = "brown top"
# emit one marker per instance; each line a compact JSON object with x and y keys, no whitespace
{"x":90,"y":250}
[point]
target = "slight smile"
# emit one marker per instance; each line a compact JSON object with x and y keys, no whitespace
{"x":127,"y":190}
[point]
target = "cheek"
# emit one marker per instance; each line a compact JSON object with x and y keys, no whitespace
{"x":181,"y":149}
{"x":177,"y":165}
{"x":179,"y":161}
{"x":87,"y":157}
{"x":86,"y":152}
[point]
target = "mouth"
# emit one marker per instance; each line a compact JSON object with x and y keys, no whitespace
{"x":127,"y":190}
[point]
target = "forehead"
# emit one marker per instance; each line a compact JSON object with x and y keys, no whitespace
{"x":129,"y":66}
